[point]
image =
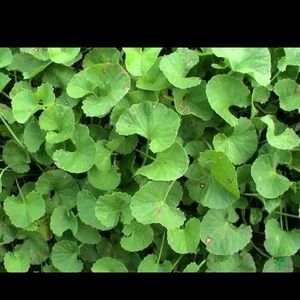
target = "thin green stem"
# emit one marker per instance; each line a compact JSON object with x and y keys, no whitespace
{"x":281,"y":219}
{"x":142,"y":152}
{"x":259,"y":250}
{"x":243,"y":216}
{"x":275,"y":76}
{"x":286,"y":220}
{"x":20,"y":191}
{"x":146,"y":153}
{"x":12,"y":133}
{"x":15,"y":76}
{"x":207,"y":143}
{"x":250,"y":194}
{"x":4,"y":94}
{"x":201,"y":264}
{"x":286,"y":214}
{"x":161,"y":247}
{"x":176,"y":262}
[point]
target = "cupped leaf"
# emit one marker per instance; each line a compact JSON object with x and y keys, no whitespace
{"x":33,"y":136}
{"x":17,"y":261}
{"x":16,"y":157}
{"x":153,"y":121}
{"x":242,"y":262}
{"x":138,"y":61}
{"x":104,"y":84}
{"x":87,"y":234}
{"x":193,"y":101}
{"x":291,"y":58}
{"x":62,"y":55}
{"x":64,"y":257}
{"x":23,"y":210}
{"x":4,"y":80}
{"x":59,"y":122}
{"x":263,"y":171}
{"x":241,"y":144}
{"x":288,"y":92}
{"x":280,"y":242}
{"x":185,"y":240}
{"x":279,"y":136}
{"x":61,"y":220}
{"x":168,"y":165}
{"x":112,"y":207}
{"x":278,"y":265}
{"x":177,"y":65}
{"x":156,"y":202}
{"x":83,"y":158}
{"x":151,"y":264}
{"x":136,"y":237}
{"x":101,"y":55}
{"x":5,"y":57}
{"x":108,"y":264}
{"x":224,"y":91}
{"x":255,"y":62}
{"x":220,"y":236}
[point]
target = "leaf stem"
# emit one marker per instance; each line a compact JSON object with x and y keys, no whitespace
{"x":275,"y":76}
{"x":259,"y":250}
{"x":4,"y":94}
{"x":201,"y":264}
{"x":146,"y":153}
{"x":176,"y":262}
{"x":286,"y":214}
{"x":209,"y":146}
{"x":161,"y":248}
{"x":20,"y":191}
{"x":286,"y":219}
{"x":281,"y":219}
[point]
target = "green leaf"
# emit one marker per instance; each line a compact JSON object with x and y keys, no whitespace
{"x":185,"y":240}
{"x":221,"y":170}
{"x":168,"y":165}
{"x":191,"y":268}
{"x":24,"y":105}
{"x":86,"y":204}
{"x":291,"y":58}
{"x":83,"y":158}
{"x":62,"y":185}
{"x":16,"y":157}
{"x":148,"y":119}
{"x":112,"y":207}
{"x":136,"y":237}
{"x":37,"y":248}
{"x":177,"y":65}
{"x":241,"y":144}
{"x":156,"y":202}
{"x":39,"y":53}
{"x":138,"y":61}
{"x":59,"y":122}
{"x":279,"y":136}
{"x":87,"y":234}
{"x":104,"y":84}
{"x":64,"y":257}
{"x":101,"y":55}
{"x":58,"y":75}
{"x":45,"y":94}
{"x":17,"y":261}
{"x":154,"y":79}
{"x":255,"y":62}
{"x":4,"y":80}
{"x":23,"y":210}
{"x":220,"y":236}
{"x":263,"y":171}
{"x":61,"y":220}
{"x":28,"y":65}
{"x":279,"y":242}
{"x":150,"y":264}
{"x":193,"y":101}
{"x":242,"y":262}
{"x":278,"y":265}
{"x":224,"y":91}
{"x":62,"y":55}
{"x":108,"y":264}
{"x":5,"y":57}
{"x":288,"y":92}
{"x":33,"y":136}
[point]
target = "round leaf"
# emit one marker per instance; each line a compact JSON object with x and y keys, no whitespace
{"x":62,"y":55}
{"x":64,"y":257}
{"x":278,"y":264}
{"x":150,"y":264}
{"x":240,"y":145}
{"x":156,"y":202}
{"x":153,"y":121}
{"x":5,"y":57}
{"x":18,"y":261}
{"x":220,"y":236}
{"x":168,"y":165}
{"x":83,"y":158}
{"x":263,"y":171}
{"x":222,"y":92}
{"x":108,"y":264}
{"x":185,"y":240}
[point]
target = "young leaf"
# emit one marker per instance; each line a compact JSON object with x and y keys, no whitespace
{"x":150,"y":264}
{"x":108,"y":264}
{"x":153,"y":121}
{"x":156,"y":202}
{"x":17,"y":261}
{"x":62,"y":55}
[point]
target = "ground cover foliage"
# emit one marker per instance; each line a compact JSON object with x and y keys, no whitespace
{"x":149,"y":160}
